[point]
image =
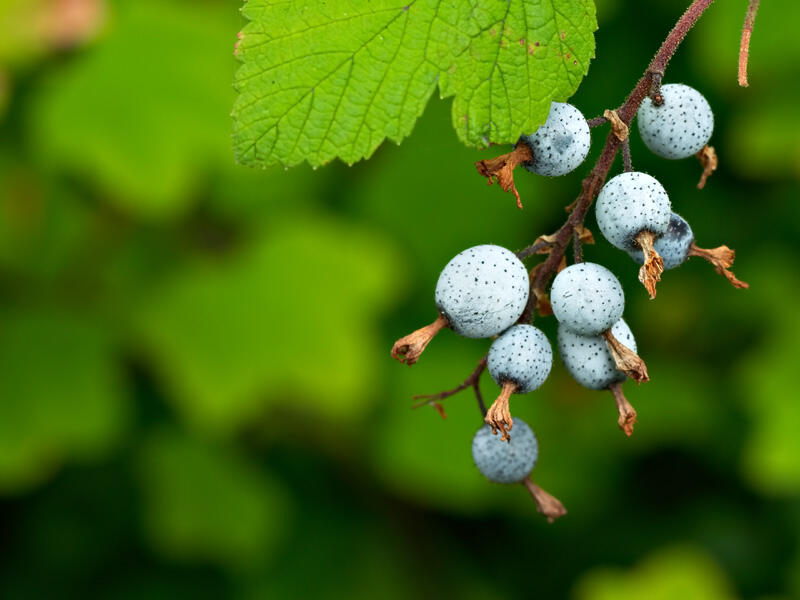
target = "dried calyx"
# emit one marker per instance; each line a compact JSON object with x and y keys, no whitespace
{"x":409,"y":348}
{"x":547,"y":505}
{"x":627,"y":414}
{"x":722,"y":259}
{"x":653,"y":267}
{"x":499,"y":415}
{"x":626,"y":360}
{"x":501,"y":169}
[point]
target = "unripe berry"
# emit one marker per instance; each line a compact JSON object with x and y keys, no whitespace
{"x":522,"y":356}
{"x":588,"y":358}
{"x":587,"y":298}
{"x":630,"y":204}
{"x":680,"y":126}
{"x":482,"y":291}
{"x":503,"y":462}
{"x":561,"y":143}
{"x":673,"y":246}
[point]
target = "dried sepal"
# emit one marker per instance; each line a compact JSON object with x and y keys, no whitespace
{"x":653,"y":267}
{"x":585,"y":234}
{"x":618,"y":127}
{"x":709,"y":161}
{"x":627,"y":414}
{"x":501,"y":169}
{"x":499,"y":415}
{"x":547,"y":505}
{"x":626,"y":360}
{"x":722,"y":258}
{"x":409,"y":348}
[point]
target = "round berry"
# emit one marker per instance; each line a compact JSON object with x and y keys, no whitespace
{"x":680,"y":126}
{"x":505,"y":462}
{"x":673,"y":246}
{"x":522,"y":355}
{"x":588,"y":358}
{"x":561,"y":143}
{"x":629,"y":204}
{"x":482,"y":291}
{"x":587,"y":298}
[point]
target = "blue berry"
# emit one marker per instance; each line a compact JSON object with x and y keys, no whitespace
{"x":522,"y":356}
{"x":503,"y":462}
{"x":673,"y":246}
{"x":482,"y":291}
{"x":587,"y":298}
{"x":588,"y":358}
{"x":680,"y":126}
{"x":629,"y":204}
{"x":561,"y":143}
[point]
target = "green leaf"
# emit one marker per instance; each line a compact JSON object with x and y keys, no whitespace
{"x":207,"y":503}
{"x":61,"y":393}
{"x":289,"y":320}
{"x":142,"y":114}
{"x":324,"y":80}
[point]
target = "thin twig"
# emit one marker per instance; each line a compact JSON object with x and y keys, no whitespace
{"x":627,"y":165}
{"x":472,"y":381}
{"x":744,"y":46}
{"x":596,"y":122}
{"x":577,"y":247}
{"x":532,"y":249}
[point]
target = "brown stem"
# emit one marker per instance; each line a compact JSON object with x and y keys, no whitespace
{"x":744,"y":46}
{"x":502,"y":168}
{"x":653,"y":267}
{"x":409,"y":348}
{"x":722,"y":259}
{"x":596,"y":122}
{"x":546,"y":504}
{"x":472,"y":381}
{"x":626,"y":360}
{"x":627,"y":414}
{"x":627,"y":163}
{"x":499,"y":415}
{"x":594,"y":181}
{"x":708,"y":160}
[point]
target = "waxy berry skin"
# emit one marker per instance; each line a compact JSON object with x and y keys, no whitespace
{"x":482,"y":291}
{"x":680,"y":126}
{"x":505,"y":462}
{"x":523,"y":356}
{"x":561,"y":144}
{"x":588,"y":359}
{"x":629,"y":204}
{"x":587,"y":298}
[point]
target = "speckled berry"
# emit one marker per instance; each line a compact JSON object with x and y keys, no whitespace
{"x":673,"y":246}
{"x":680,"y":126}
{"x":505,"y":462}
{"x":482,"y":291}
{"x":522,"y":355}
{"x":587,"y":298}
{"x":561,"y":143}
{"x":588,"y":358}
{"x":630,"y":204}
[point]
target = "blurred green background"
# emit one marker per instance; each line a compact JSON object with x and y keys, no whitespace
{"x":196,"y":393}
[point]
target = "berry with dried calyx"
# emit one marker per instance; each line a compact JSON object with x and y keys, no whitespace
{"x":513,"y":462}
{"x":587,"y":298}
{"x":677,"y":245}
{"x":561,"y":144}
{"x":519,"y":361}
{"x":633,"y":211}
{"x":591,"y":362}
{"x":480,"y":293}
{"x":680,"y":126}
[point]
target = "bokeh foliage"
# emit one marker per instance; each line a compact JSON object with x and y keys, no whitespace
{"x":196,"y":396}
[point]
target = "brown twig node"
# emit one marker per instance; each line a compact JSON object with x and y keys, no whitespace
{"x":546,"y":504}
{"x":618,"y":127}
{"x":709,"y":161}
{"x":499,"y":415}
{"x":501,"y":169}
{"x":627,"y":414}
{"x":626,"y":360}
{"x":653,"y":267}
{"x":409,"y":348}
{"x":722,"y":259}
{"x":744,"y":46}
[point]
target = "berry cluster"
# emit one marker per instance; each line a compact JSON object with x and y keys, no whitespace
{"x":487,"y":292}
